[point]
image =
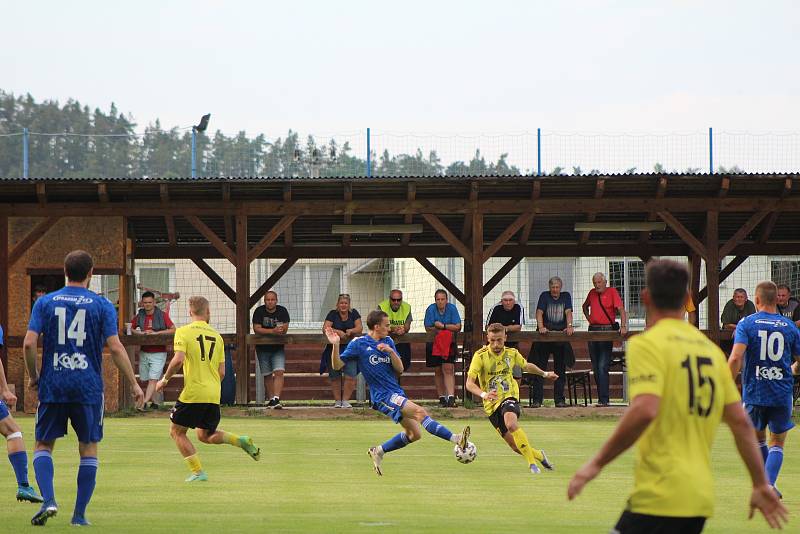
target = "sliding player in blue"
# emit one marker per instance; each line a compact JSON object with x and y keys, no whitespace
{"x":380,"y":364}
{"x":768,"y":343}
{"x":75,"y":323}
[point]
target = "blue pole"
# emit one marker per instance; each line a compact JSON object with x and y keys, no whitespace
{"x":25,"y":140}
{"x":369,"y":157}
{"x":194,"y":152}
{"x":538,"y":151}
{"x":710,"y":151}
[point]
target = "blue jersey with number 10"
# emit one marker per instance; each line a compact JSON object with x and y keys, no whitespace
{"x":772,"y":342}
{"x":75,"y":323}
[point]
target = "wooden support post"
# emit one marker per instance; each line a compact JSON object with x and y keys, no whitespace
{"x":500,"y":274}
{"x":272,"y":280}
{"x":475,"y":290}
{"x":169,"y":220}
{"x":466,"y":228}
{"x":242,"y":311}
{"x":214,"y":239}
{"x":226,"y":197}
{"x":536,"y":192}
{"x":712,"y":274}
{"x":287,"y":197}
{"x":4,"y":287}
{"x":599,"y":188}
{"x":408,"y":218}
{"x":348,"y":197}
{"x":723,"y":275}
{"x":694,"y":283}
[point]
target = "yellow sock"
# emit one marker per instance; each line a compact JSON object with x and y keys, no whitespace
{"x":194,"y":463}
{"x":231,"y":439}
{"x":521,"y":441}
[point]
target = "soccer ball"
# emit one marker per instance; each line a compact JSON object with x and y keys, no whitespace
{"x":467,"y":455}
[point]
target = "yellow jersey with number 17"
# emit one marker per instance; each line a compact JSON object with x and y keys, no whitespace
{"x":205,"y":352}
{"x":679,"y":364}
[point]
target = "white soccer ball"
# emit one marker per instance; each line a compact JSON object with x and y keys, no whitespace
{"x":467,"y":455}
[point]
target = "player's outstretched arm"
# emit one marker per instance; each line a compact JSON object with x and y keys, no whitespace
{"x":534,"y":369}
{"x":29,"y":346}
{"x":642,"y":411}
{"x":333,"y":339}
{"x":762,"y":496}
{"x":120,"y":357}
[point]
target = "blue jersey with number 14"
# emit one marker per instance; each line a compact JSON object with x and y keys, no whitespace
{"x":772,"y":342}
{"x":75,"y":324}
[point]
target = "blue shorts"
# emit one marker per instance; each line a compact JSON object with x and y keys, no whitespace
{"x":778,"y":418}
{"x":391,"y":405}
{"x":86,"y":420}
{"x":271,"y":360}
{"x":3,"y":410}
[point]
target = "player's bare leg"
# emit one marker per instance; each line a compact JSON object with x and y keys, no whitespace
{"x":187,"y":450}
{"x":219,"y":437}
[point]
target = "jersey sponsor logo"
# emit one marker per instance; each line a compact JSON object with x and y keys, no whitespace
{"x":642,"y":378}
{"x":397,"y":399}
{"x":768,"y":373}
{"x":77,"y":300}
{"x":777,"y":323}
{"x":377,"y":359}
{"x":72,"y":362}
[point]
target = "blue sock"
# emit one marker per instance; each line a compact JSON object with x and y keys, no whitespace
{"x":19,"y":461}
{"x":397,"y":442}
{"x":87,"y":472}
{"x":436,"y":428}
{"x":774,"y":461}
{"x":762,"y":446}
{"x":43,"y":466}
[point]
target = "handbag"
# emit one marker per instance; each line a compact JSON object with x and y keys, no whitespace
{"x":614,"y":324}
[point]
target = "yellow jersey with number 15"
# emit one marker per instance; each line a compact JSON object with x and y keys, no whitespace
{"x":205,"y":352}
{"x":679,"y":364}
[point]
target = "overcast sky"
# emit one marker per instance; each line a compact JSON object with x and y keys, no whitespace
{"x":415,"y":66}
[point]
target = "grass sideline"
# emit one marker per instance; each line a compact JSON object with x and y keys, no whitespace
{"x":315,"y":476}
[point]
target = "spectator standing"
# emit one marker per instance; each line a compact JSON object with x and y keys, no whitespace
{"x":346,"y":323}
{"x":442,"y":318}
{"x":553,"y":314}
{"x":151,"y":320}
{"x":734,"y":311}
{"x":600,"y":309}
{"x":400,"y":318}
{"x":511,"y":315}
{"x":271,"y":319}
{"x":788,"y":306}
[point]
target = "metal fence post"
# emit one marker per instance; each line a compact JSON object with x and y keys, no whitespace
{"x":538,"y":151}
{"x":710,"y":151}
{"x":25,"y":152}
{"x":369,"y":156}
{"x":194,"y":152}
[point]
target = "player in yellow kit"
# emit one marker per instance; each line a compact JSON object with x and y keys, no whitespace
{"x":680,"y":389}
{"x":199,"y":349}
{"x":492,"y":366}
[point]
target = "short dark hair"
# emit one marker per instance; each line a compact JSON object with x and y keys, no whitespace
{"x":442,"y":291}
{"x":496,"y":328}
{"x":149,"y":294}
{"x":375,"y":318}
{"x":740,"y":290}
{"x":667,"y":283}
{"x":77,"y":265}
{"x":784,"y":286}
{"x":39,"y":288}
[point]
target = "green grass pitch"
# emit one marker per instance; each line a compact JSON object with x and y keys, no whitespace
{"x":315,"y":476}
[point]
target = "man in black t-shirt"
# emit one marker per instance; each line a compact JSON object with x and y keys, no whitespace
{"x":553,"y":314}
{"x":511,"y":315}
{"x":271,"y":319}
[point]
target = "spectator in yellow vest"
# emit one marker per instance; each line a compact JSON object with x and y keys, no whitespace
{"x":399,"y":313}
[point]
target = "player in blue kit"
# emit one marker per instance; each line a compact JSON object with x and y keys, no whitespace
{"x":765,"y":345}
{"x":380,"y":364}
{"x":16,"y":447}
{"x":75,"y":323}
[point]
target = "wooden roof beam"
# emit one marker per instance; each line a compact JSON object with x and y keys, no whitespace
{"x":448,"y":236}
{"x":507,"y":234}
{"x":466,"y":228}
{"x":287,"y":197}
{"x":41,"y":194}
{"x":408,"y":218}
{"x":348,"y":218}
{"x":270,"y":282}
{"x":213,"y":238}
{"x":599,"y":189}
{"x":216,"y":278}
{"x":270,"y":238}
{"x":226,"y":197}
{"x":168,"y":219}
{"x":766,"y":230}
{"x":743,"y":232}
{"x":536,"y":192}
{"x":661,"y":190}
{"x":31,"y":239}
{"x":442,"y":279}
{"x":500,"y":274}
{"x":102,"y":193}
{"x":685,"y":235}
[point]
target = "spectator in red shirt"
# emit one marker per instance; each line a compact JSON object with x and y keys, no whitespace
{"x":151,"y":320}
{"x":600,"y":309}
